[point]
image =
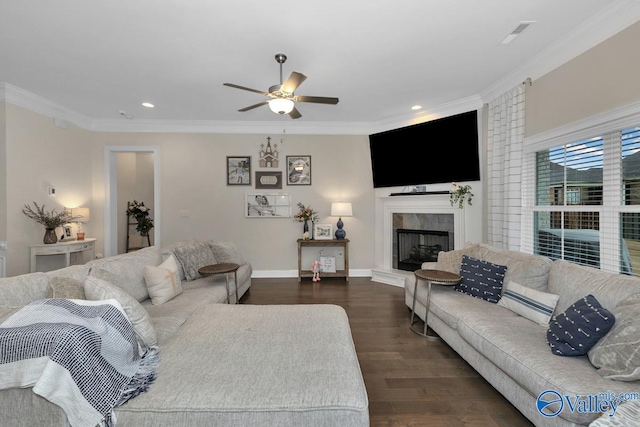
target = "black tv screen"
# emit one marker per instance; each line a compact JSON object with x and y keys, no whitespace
{"x":442,"y":150}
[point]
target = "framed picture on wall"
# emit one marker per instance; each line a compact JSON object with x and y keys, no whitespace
{"x":268,"y":180}
{"x":238,"y":170}
{"x":298,"y":170}
{"x":267,"y":205}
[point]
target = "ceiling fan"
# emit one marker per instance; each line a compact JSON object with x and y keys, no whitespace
{"x":282,"y":96}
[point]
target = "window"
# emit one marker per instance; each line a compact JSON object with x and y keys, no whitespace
{"x":584,"y":202}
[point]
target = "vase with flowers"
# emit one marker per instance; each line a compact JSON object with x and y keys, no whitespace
{"x":460,"y":194}
{"x":50,"y":219}
{"x":304,"y":215}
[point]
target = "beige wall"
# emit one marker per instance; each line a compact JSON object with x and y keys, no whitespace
{"x":192,"y":178}
{"x":601,"y":79}
{"x":40,"y":154}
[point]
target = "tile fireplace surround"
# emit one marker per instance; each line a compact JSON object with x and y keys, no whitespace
{"x":414,"y":204}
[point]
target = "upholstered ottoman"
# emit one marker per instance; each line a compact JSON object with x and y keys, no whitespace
{"x":253,"y":365}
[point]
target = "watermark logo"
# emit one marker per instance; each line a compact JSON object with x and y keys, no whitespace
{"x":550,"y":402}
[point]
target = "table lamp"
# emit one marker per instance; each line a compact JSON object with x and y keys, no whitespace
{"x":81,"y":216}
{"x":341,"y":209}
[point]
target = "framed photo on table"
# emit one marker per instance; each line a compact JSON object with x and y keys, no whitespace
{"x":322,"y":231}
{"x":298,"y":170}
{"x":238,"y":170}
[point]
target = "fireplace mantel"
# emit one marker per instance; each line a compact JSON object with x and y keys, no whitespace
{"x":422,"y":204}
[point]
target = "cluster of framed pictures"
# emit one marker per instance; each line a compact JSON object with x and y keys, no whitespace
{"x":298,"y":173}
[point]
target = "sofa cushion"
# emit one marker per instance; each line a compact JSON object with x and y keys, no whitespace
{"x":226,"y":252}
{"x":576,"y":330}
{"x":450,"y":260}
{"x":195,"y":294}
{"x":528,"y":270}
{"x":127,"y":270}
{"x":97,"y":289}
{"x":163,"y":282}
{"x":517,"y":347}
{"x":192,"y":255}
{"x":617,"y":354}
{"x":534,"y":305}
{"x":481,"y":279}
{"x":65,"y":287}
{"x":572,"y":281}
{"x":18,"y":291}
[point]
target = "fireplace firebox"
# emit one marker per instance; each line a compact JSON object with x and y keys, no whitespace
{"x":417,"y":246}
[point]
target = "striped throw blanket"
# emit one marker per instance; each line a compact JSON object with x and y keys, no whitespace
{"x":80,"y":355}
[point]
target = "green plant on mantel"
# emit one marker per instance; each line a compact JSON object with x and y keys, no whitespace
{"x":50,"y":219}
{"x":460,"y":194}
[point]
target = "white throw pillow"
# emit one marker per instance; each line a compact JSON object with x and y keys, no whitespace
{"x":163,"y":282}
{"x":530,"y":303}
{"x":97,"y":289}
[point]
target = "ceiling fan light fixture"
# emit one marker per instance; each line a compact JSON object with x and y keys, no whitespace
{"x":281,"y":105}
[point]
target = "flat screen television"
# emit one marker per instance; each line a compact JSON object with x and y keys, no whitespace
{"x":442,"y":150}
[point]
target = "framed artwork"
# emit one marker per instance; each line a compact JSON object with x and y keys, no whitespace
{"x":322,"y":231}
{"x":238,"y":170}
{"x":268,"y":180}
{"x":267,"y":205}
{"x":298,"y":170}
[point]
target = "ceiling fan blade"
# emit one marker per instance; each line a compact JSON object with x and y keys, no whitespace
{"x":295,"y":114}
{"x":251,"y":107}
{"x":317,"y":99}
{"x":246,"y":88}
{"x":292,"y":83}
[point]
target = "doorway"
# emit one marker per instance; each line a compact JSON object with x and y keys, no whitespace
{"x":129,"y":171}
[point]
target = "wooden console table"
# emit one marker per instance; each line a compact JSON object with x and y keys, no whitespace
{"x":344,"y":243}
{"x":62,"y":248}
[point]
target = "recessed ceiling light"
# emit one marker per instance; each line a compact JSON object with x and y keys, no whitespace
{"x":416,"y":107}
{"x":148,"y":105}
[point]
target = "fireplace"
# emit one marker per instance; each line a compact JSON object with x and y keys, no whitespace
{"x":413,"y":247}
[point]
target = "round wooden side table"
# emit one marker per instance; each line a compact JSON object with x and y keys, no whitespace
{"x":223,"y":268}
{"x":435,"y":277}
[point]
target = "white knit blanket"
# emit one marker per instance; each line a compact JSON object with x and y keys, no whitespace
{"x":80,"y":355}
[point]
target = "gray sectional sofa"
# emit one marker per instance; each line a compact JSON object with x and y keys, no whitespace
{"x":222,"y":365}
{"x":511,"y":352}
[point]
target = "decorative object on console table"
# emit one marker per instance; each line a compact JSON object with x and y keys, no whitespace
{"x":322,"y":232}
{"x":82,"y":216}
{"x":304,"y":215}
{"x":51,"y":220}
{"x":341,"y":209}
{"x":460,"y":194}
{"x":312,"y":247}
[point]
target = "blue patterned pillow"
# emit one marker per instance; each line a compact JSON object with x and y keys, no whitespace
{"x":481,"y":279}
{"x":579,"y":327}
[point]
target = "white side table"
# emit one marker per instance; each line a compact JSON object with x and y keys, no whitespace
{"x":62,"y":248}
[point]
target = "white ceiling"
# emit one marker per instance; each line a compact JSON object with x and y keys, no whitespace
{"x":90,"y":60}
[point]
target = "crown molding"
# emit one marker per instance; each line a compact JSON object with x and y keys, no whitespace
{"x":619,"y":15}
{"x":32,"y":102}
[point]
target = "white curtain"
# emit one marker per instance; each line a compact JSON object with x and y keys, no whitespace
{"x":504,"y":169}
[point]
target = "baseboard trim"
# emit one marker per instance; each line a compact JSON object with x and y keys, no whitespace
{"x":266,"y":274}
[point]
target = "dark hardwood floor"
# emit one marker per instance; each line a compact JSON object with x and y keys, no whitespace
{"x":410,"y":381}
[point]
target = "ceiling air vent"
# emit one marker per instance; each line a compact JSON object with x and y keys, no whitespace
{"x":522,"y":25}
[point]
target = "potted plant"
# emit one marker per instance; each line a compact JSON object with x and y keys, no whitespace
{"x":305,"y":214}
{"x":141,"y":214}
{"x":50,"y":219}
{"x":460,"y":194}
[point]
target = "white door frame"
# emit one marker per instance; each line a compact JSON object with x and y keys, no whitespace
{"x":111,"y":196}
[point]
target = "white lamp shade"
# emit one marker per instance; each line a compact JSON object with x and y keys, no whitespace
{"x":341,"y":209}
{"x":83,"y":213}
{"x":281,"y":106}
